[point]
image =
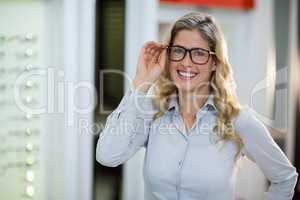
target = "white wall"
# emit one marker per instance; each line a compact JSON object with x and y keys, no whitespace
{"x":69,"y":44}
{"x":78,"y":37}
{"x":141,"y":26}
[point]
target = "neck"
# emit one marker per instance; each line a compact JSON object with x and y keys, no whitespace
{"x":191,"y":101}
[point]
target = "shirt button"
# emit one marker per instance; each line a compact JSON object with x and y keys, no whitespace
{"x":180,"y":163}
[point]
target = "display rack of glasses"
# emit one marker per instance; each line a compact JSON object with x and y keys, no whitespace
{"x":20,"y":129}
{"x":21,"y":54}
{"x":37,"y":150}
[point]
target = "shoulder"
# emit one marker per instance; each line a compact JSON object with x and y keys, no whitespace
{"x":249,"y":125}
{"x":246,"y":117}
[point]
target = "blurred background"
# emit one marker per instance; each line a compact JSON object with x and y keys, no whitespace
{"x":65,"y":65}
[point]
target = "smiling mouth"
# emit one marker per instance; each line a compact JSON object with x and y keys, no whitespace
{"x":186,"y":74}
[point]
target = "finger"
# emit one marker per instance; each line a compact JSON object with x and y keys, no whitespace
{"x":154,"y":57}
{"x":153,"y":51}
{"x":162,"y":58}
{"x":153,"y":47}
{"x":145,"y":52}
{"x":158,"y":47}
{"x":149,"y":44}
{"x":162,"y":45}
{"x":149,"y":49}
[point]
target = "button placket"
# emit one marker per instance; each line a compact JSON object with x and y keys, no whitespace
{"x":178,"y":123}
{"x":199,"y":121}
{"x":180,"y":165}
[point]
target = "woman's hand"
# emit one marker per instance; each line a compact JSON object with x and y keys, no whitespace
{"x":151,"y":63}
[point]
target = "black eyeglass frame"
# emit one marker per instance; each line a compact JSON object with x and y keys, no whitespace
{"x":189,"y":50}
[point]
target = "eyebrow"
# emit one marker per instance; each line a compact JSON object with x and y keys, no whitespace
{"x":207,"y":48}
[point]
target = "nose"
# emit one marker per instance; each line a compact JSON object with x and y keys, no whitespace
{"x":186,"y":61}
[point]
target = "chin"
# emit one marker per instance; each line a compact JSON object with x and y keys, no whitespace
{"x":185,"y":87}
{"x":188,"y":85}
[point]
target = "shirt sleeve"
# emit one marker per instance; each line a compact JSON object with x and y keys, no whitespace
{"x":126,"y":129}
{"x":260,"y":147}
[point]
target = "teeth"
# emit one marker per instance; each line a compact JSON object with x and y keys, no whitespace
{"x":187,"y":74}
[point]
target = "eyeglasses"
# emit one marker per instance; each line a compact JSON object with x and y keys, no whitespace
{"x":198,"y":55}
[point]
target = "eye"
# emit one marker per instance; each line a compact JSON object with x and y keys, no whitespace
{"x":199,"y":52}
{"x":177,"y":50}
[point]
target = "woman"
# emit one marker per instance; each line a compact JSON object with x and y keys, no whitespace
{"x":194,"y":130}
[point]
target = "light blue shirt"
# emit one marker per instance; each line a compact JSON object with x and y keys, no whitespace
{"x":189,"y":165}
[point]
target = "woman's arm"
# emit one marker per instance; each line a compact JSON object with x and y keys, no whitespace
{"x":260,"y":147}
{"x":128,"y":126}
{"x":126,"y":129}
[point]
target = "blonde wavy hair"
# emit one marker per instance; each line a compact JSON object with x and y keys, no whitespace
{"x":222,"y":85}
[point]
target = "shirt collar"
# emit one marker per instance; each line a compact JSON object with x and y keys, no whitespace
{"x":173,"y":102}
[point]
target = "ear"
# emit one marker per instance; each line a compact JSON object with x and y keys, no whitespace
{"x":214,"y":66}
